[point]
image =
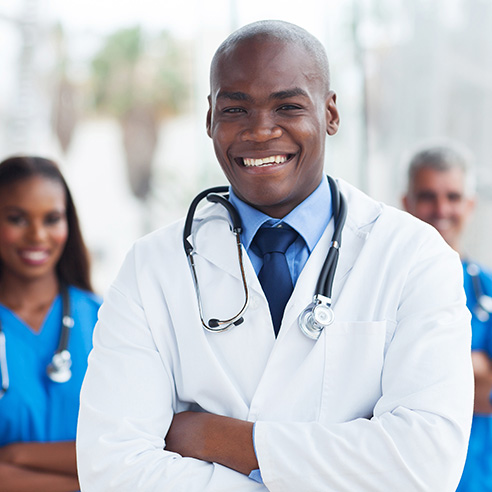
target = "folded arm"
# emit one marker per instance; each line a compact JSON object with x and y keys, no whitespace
{"x":213,"y":438}
{"x":482,"y":368}
{"x":28,"y":466}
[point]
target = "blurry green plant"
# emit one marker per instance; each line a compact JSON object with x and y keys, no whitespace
{"x":140,"y":81}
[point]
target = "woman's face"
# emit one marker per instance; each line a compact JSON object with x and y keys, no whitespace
{"x":33,"y":228}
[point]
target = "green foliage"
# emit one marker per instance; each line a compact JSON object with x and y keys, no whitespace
{"x":132,"y":71}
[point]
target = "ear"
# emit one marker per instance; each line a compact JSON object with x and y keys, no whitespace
{"x":332,"y":116}
{"x":209,"y":117}
{"x":404,"y":201}
{"x":470,"y":205}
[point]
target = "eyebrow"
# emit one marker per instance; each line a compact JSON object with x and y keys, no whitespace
{"x":296,"y":91}
{"x":234,"y":96}
{"x":242,"y":96}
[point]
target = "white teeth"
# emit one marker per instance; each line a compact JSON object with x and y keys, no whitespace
{"x":34,"y":255}
{"x":267,"y":161}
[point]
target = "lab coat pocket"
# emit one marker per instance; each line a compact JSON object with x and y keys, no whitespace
{"x":354,"y":359}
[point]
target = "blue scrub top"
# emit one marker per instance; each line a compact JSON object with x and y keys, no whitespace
{"x":35,"y":408}
{"x":477,"y":475}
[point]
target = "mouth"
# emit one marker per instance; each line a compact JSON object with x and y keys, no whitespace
{"x":273,"y":160}
{"x":443,"y":224}
{"x":34,"y":257}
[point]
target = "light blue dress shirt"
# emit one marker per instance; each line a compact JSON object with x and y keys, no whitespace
{"x":310,"y":219}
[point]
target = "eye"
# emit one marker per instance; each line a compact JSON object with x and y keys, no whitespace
{"x":233,"y":110}
{"x":53,"y":218}
{"x":454,"y":197}
{"x":16,"y":219}
{"x":288,"y":107}
{"x":425,"y":196}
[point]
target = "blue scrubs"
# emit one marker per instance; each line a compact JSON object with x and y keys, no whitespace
{"x":477,"y":476}
{"x":34,"y":408}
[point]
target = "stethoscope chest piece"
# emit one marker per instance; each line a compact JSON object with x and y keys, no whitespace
{"x":317,"y":316}
{"x":59,"y":369}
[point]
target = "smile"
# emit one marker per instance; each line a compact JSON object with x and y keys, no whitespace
{"x":266,"y":161}
{"x":34,"y":257}
{"x":443,"y":224}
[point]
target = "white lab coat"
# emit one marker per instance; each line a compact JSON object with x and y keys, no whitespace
{"x":381,"y":402}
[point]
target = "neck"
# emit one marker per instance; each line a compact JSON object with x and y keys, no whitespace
{"x":17,"y":293}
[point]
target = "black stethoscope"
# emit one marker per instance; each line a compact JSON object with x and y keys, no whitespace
{"x":319,"y":313}
{"x":483,"y":306}
{"x":58,"y":369}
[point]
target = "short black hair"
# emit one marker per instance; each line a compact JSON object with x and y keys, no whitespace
{"x":280,"y":31}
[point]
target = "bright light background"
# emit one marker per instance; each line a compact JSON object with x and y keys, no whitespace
{"x":403,"y":72}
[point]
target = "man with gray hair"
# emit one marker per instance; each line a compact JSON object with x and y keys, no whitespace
{"x":441,"y":192}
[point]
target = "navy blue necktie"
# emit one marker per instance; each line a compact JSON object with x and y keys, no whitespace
{"x":274,"y":275}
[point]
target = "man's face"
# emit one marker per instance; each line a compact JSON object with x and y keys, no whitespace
{"x":268,"y":119}
{"x":438,"y":198}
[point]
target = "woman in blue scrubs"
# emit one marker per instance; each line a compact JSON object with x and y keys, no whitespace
{"x":41,"y":249}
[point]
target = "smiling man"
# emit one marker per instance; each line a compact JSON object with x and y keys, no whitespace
{"x":441,"y":192}
{"x":269,"y":122}
{"x":381,"y":399}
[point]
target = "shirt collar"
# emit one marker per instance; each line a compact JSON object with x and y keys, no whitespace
{"x":310,"y":218}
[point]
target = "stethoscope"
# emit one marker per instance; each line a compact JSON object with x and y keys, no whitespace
{"x":483,"y":306}
{"x":58,"y":369}
{"x":319,"y":314}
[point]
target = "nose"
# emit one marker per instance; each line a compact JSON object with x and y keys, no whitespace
{"x":442,"y":207}
{"x":261,"y":128}
{"x":36,"y":232}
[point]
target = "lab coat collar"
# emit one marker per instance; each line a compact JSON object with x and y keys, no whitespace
{"x":363,"y":212}
{"x":215,"y":243}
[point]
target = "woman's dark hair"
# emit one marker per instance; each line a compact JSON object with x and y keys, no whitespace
{"x":73,"y":266}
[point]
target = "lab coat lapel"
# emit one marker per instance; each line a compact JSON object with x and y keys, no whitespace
{"x":362,"y":213}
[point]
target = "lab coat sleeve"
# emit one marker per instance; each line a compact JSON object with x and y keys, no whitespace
{"x":417,"y":437}
{"x":127,"y":404}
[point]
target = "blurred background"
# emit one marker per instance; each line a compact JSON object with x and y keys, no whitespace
{"x":115,"y":91}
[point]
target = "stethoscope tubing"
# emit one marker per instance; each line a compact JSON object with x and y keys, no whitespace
{"x":215,"y":195}
{"x":59,"y":368}
{"x":483,"y":308}
{"x":322,"y":298}
{"x":324,"y":285}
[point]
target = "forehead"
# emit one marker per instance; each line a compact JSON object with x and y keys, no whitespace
{"x":32,"y":192}
{"x":450,"y":180}
{"x":266,"y":65}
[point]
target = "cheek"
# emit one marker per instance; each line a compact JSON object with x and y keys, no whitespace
{"x":9,"y":235}
{"x":424,"y":210}
{"x":461,"y":214}
{"x":59,"y":235}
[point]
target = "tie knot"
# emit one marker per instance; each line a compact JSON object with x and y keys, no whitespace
{"x":274,"y":239}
